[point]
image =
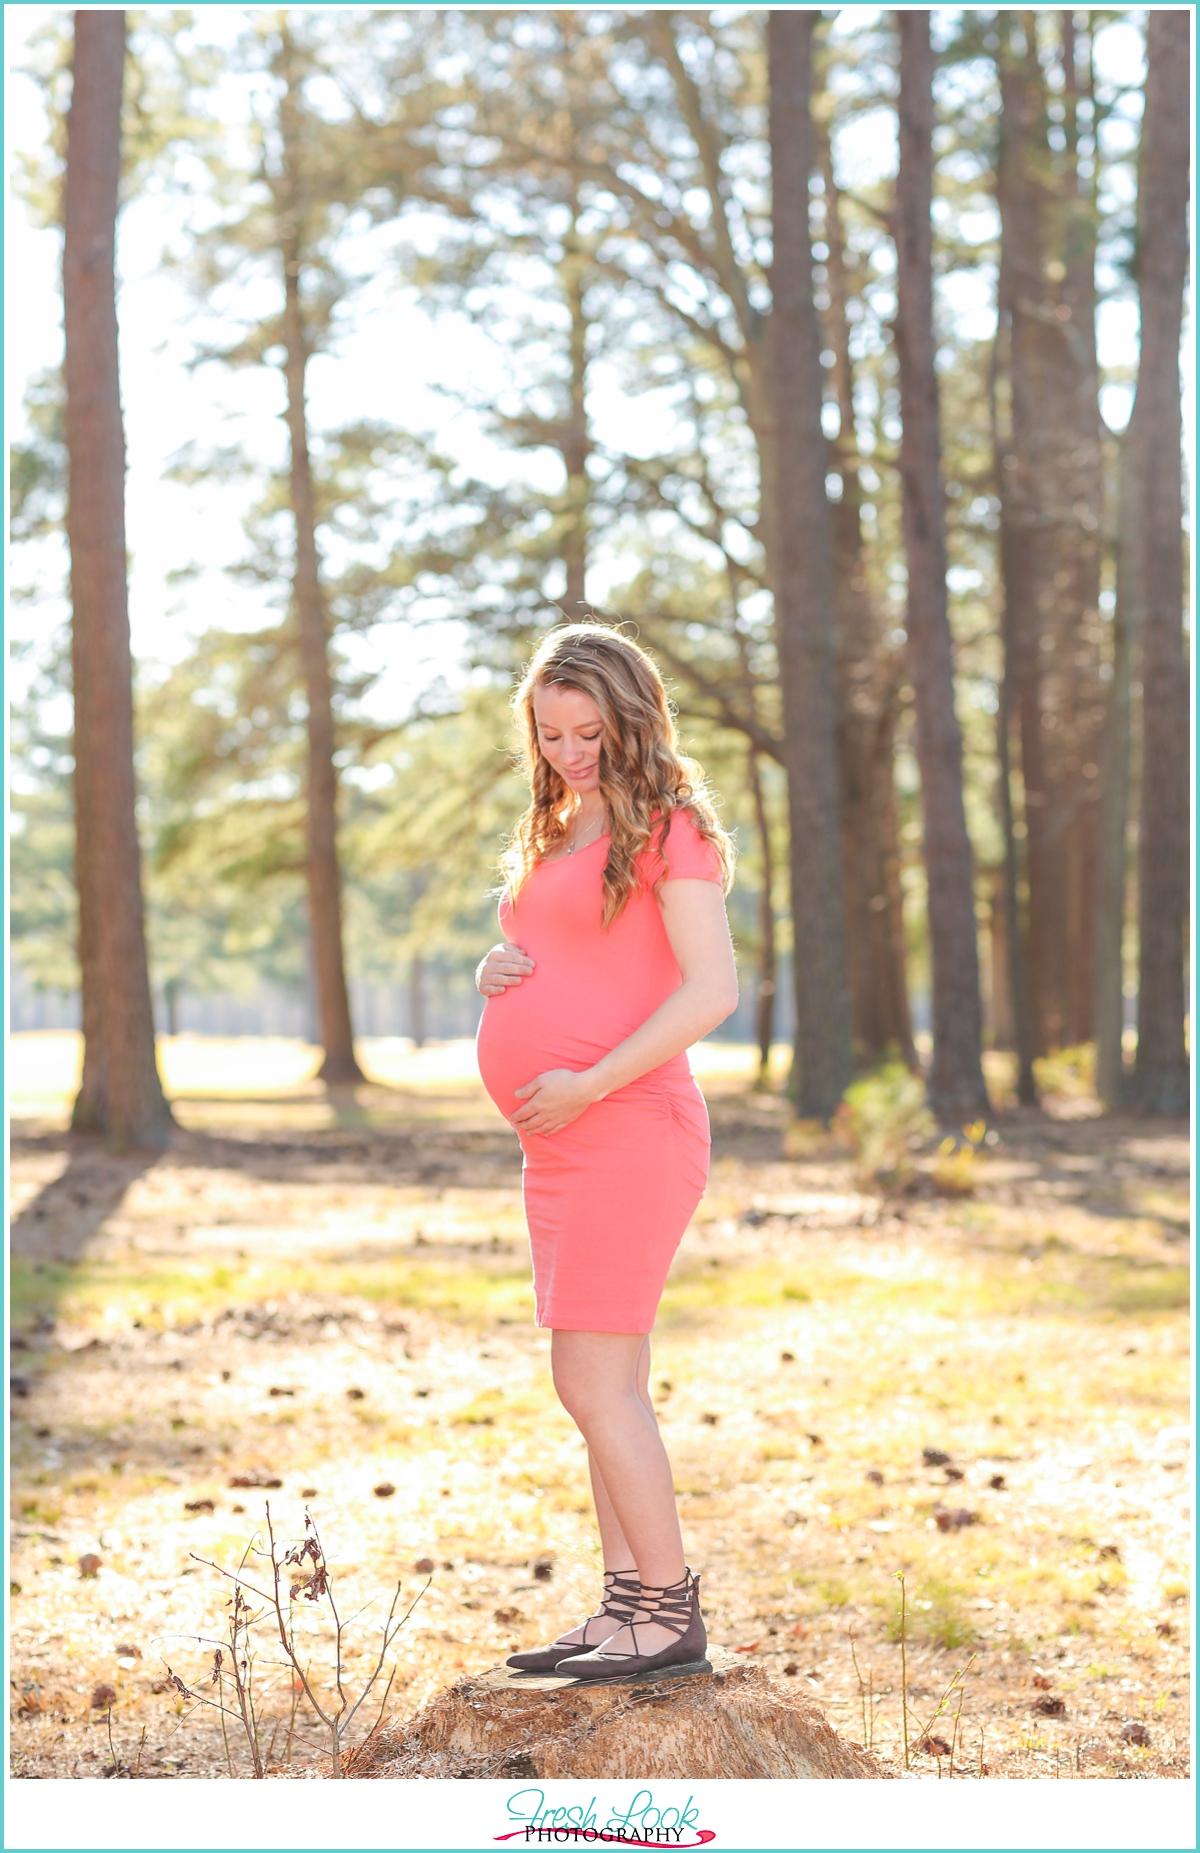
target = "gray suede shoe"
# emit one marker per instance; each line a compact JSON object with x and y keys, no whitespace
{"x":676,"y":1607}
{"x":622,"y":1598}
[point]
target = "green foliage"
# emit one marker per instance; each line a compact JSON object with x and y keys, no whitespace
{"x":887,"y":1120}
{"x":1068,"y":1071}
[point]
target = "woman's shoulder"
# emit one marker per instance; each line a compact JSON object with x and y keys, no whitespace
{"x":683,"y":850}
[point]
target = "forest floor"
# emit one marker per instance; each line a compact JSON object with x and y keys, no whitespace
{"x":332,"y":1295}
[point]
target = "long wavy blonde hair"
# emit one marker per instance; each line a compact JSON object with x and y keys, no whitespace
{"x":644,"y":778}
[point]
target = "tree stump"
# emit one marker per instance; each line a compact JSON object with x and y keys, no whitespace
{"x":732,"y":1724}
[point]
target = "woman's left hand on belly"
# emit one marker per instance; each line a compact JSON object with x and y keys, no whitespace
{"x":553,"y":1101}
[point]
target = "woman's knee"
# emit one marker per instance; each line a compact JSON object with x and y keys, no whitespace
{"x":590,"y":1399}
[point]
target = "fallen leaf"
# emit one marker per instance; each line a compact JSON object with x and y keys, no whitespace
{"x":935,"y":1746}
{"x":508,"y":1617}
{"x":787,"y":1357}
{"x":710,"y":1418}
{"x":954,"y":1521}
{"x":1110,"y":1550}
{"x":102,"y":1696}
{"x":1135,"y":1733}
{"x":1049,"y":1707}
{"x":89,"y":1564}
{"x":543,"y":1569}
{"x":1040,"y":1680}
{"x":791,"y":1669}
{"x":424,"y":1566}
{"x":997,"y":1482}
{"x":128,"y":1651}
{"x":1164,"y":1628}
{"x":934,"y":1457}
{"x":356,"y":1396}
{"x":384,"y":1490}
{"x":955,"y":1473}
{"x":308,"y":1492}
{"x":751,"y":1647}
{"x":261,"y":1477}
{"x":277,"y":1390}
{"x":199,"y":1505}
{"x":874,"y":1476}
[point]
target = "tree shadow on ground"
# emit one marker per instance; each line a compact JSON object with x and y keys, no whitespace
{"x":66,"y":1216}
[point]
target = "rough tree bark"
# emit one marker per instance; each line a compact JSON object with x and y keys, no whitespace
{"x":1050,"y":473}
{"x":956,"y":1084}
{"x":576,"y":441}
{"x":1161,"y":1074}
{"x":312,"y":620}
{"x":803,"y":587}
{"x":764,"y":1013}
{"x":121,"y":1094}
{"x":1113,"y":811}
{"x":866,"y":685}
{"x":1077,"y":629}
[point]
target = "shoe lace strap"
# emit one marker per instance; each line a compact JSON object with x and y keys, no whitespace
{"x":669,"y":1605}
{"x":622,"y":1594}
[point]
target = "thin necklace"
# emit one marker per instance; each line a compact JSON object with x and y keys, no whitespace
{"x":575,"y":843}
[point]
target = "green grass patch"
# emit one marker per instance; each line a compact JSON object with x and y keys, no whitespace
{"x":94,"y":1292}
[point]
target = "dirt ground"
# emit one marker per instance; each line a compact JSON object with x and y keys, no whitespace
{"x":984,"y":1396}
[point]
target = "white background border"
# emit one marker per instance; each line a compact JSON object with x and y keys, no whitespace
{"x":414,"y":1815}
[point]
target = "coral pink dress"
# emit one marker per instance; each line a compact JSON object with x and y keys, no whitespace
{"x":608,"y":1198}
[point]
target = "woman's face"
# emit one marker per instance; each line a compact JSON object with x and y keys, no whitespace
{"x":570,"y":730}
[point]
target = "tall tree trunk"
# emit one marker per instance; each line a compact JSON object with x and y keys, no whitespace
{"x":1050,"y":487}
{"x":1113,"y":818}
{"x":764,"y":1016}
{"x":121,"y":1092}
{"x":416,"y":1000}
{"x":1015,"y":919}
{"x":956,"y":1084}
{"x":1161,"y":1075}
{"x":1077,"y":629}
{"x":577,"y":441}
{"x":997,"y":1013}
{"x":312,"y":623}
{"x":802,"y":577}
{"x":867,"y":697}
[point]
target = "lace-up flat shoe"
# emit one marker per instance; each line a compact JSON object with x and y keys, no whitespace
{"x":674,"y":1606}
{"x":621,"y":1601}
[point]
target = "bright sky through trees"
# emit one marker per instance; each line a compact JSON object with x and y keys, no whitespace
{"x":389,"y":365}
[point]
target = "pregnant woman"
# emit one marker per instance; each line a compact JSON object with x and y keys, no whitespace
{"x":616,"y":958}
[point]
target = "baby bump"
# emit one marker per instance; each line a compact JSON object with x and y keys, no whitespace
{"x":655,"y":1125}
{"x":527,"y":1031}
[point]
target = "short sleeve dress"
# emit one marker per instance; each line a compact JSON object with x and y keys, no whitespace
{"x":608,"y":1198}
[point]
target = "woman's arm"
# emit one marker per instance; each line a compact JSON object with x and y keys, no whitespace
{"x":694,"y":917}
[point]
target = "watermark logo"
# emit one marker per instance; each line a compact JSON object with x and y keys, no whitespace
{"x":643,"y":1823}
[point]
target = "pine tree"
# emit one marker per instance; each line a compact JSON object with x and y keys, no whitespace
{"x":802,"y":577}
{"x":121,"y":1094}
{"x":956,"y":1086}
{"x":1161,"y":1082}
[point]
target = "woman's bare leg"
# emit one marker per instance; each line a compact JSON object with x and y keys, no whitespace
{"x":613,"y":1543}
{"x":600,"y":1378}
{"x":614,"y":1546}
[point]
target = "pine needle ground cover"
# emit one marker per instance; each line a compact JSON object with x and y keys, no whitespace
{"x":324,"y":1303}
